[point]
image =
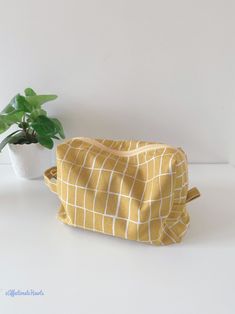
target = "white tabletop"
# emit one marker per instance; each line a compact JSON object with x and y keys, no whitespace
{"x":84,"y":272}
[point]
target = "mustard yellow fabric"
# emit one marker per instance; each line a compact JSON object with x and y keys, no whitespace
{"x":135,"y":190}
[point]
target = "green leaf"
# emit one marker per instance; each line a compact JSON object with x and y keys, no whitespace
{"x":44,"y":126}
{"x":37,"y":112}
{"x":38,"y":100}
{"x":9,"y":108}
{"x":59,"y":127}
{"x":20,"y":103}
{"x":9,"y":139}
{"x":29,"y":92}
{"x":3,"y":125}
{"x":46,"y":142}
{"x":6,"y":120}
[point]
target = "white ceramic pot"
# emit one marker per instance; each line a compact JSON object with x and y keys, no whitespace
{"x":30,"y":160}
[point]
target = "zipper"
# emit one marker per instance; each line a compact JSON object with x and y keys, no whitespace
{"x":123,"y":153}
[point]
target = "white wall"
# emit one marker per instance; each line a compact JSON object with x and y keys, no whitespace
{"x":151,"y":69}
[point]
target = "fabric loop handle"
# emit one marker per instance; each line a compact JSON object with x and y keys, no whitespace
{"x":192,"y":194}
{"x":49,"y":174}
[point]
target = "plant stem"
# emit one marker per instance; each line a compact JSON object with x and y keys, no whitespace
{"x":24,"y":127}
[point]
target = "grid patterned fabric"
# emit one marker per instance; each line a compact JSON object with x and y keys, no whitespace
{"x":138,"y":196}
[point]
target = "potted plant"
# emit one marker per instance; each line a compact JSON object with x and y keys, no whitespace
{"x":30,"y":143}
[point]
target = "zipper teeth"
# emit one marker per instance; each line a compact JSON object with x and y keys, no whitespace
{"x":123,"y":153}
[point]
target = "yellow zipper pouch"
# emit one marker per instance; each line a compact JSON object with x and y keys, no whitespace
{"x":135,"y":190}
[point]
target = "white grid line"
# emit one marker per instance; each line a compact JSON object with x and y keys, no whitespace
{"x":119,"y":195}
{"x":98,"y":180}
{"x":118,"y":172}
{"x":85,"y":192}
{"x":172,"y":192}
{"x":123,"y":218}
{"x":165,"y":197}
{"x":61,"y":187}
{"x":141,"y":202}
{"x":130,"y":200}
{"x":68,"y":178}
{"x":113,"y":193}
{"x":122,"y":162}
{"x":80,"y":170}
{"x":150,"y":207}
